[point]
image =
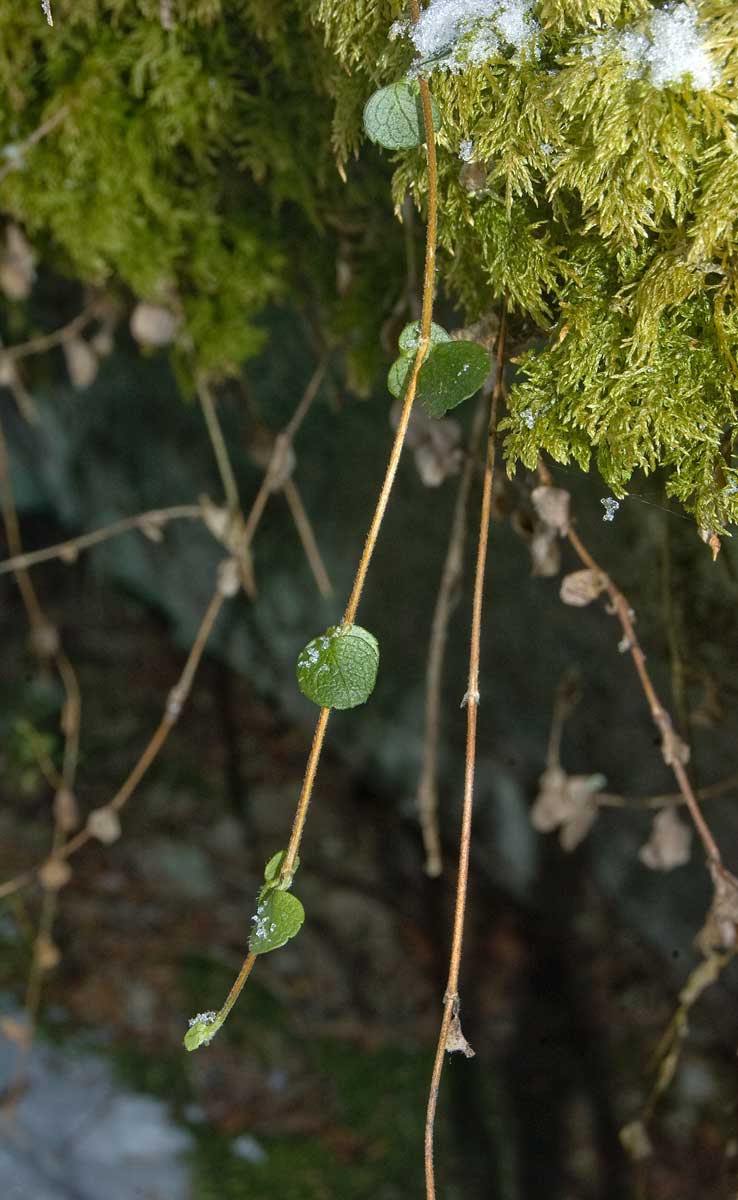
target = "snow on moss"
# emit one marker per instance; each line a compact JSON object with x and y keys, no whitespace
{"x":452,"y":35}
{"x":671,"y":51}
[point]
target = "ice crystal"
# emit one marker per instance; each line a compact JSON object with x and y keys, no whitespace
{"x":611,"y":506}
{"x":466,"y":150}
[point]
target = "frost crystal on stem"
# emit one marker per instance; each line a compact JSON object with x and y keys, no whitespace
{"x":611,"y":506}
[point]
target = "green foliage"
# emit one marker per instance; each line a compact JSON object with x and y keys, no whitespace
{"x":451,"y":373}
{"x":339,"y":668}
{"x":393,"y":116}
{"x":605,"y":210}
{"x":279,"y":916}
{"x":196,"y":167}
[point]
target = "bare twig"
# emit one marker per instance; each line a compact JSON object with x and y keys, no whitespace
{"x":220,"y":450}
{"x":451,"y":1002}
{"x":47,"y":341}
{"x":668,"y":799}
{"x":307,"y":537}
{"x":154,"y":519}
{"x":175,"y":702}
{"x":446,"y":601}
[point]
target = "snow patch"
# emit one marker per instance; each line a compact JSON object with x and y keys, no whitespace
{"x":671,"y":51}
{"x":452,"y":35}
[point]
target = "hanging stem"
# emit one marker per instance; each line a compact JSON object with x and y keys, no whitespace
{"x":451,"y":997}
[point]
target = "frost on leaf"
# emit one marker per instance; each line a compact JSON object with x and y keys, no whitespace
{"x":339,"y":669}
{"x":455,"y":1040}
{"x":278,"y":917}
{"x":567,"y":803}
{"x":202,"y":1030}
{"x":669,"y":844}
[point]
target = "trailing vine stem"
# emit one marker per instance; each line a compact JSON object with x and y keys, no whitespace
{"x":451,"y":997}
{"x":303,"y":803}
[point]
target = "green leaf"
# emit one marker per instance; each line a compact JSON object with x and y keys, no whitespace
{"x":398,"y":376}
{"x":393,"y":116}
{"x":278,"y":918}
{"x":410,"y":338}
{"x":339,"y":669}
{"x":202,"y":1030}
{"x":274,"y":866}
{"x":451,"y":373}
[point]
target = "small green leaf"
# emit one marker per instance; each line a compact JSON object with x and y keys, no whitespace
{"x":278,"y":918}
{"x":410,"y":338}
{"x":339,"y":669}
{"x":451,"y":373}
{"x":393,"y":116}
{"x":202,"y":1030}
{"x":274,"y":866}
{"x":398,"y":376}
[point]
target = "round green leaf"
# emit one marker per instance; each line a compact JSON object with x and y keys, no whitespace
{"x":339,"y":669}
{"x":398,"y":376}
{"x":410,"y":337}
{"x":451,"y":373}
{"x":278,"y":918}
{"x":393,"y":116}
{"x":202,"y":1030}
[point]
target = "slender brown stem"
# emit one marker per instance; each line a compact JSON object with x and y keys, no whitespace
{"x":68,"y":550}
{"x":660,"y":716}
{"x":307,"y":537}
{"x":175,"y":702}
{"x":220,"y":450}
{"x":448,"y":594}
{"x":667,"y":799}
{"x":451,"y":997}
{"x":47,"y":341}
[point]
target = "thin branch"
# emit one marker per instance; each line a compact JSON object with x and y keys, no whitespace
{"x":307,"y":537}
{"x":175,"y":702}
{"x":282,"y":442}
{"x":47,"y":341}
{"x":451,"y":1001}
{"x":446,"y":601}
{"x":667,"y":799}
{"x":220,"y":450}
{"x":68,"y":550}
{"x":28,"y":143}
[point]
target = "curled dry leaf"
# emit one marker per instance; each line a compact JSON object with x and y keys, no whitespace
{"x":721,"y":926}
{"x":47,"y":953}
{"x":226,"y":527}
{"x":455,"y":1040}
{"x":44,"y":640}
{"x":580,"y":588}
{"x":567,"y":803}
{"x":54,"y":875}
{"x":104,"y":824}
{"x":229,"y":577}
{"x":151,"y":529}
{"x":669,"y":844}
{"x":274,"y":455}
{"x":673,"y":748}
{"x":69,"y":554}
{"x":545,"y":552}
{"x":16,"y":265}
{"x":82,"y":362}
{"x":552,"y":506}
{"x":635,"y":1141}
{"x":154,"y":325}
{"x":436,"y":444}
{"x":66,"y":813}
